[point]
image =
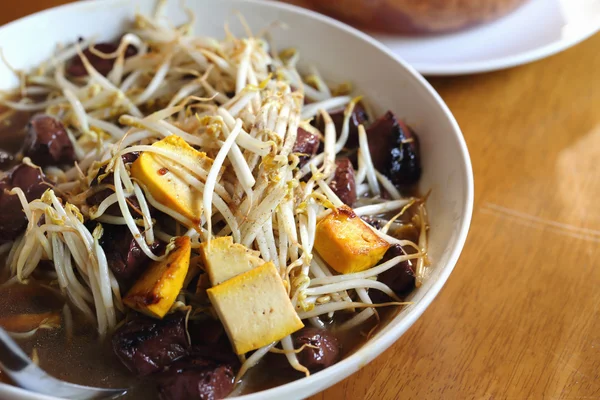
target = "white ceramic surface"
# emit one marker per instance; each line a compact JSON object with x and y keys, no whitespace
{"x":342,"y":53}
{"x":538,"y":29}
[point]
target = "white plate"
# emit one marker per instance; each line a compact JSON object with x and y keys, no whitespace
{"x":538,"y":29}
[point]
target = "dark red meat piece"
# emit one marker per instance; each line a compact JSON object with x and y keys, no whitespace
{"x":206,"y":331}
{"x":197,"y":379}
{"x":125,"y":258}
{"x":47,"y":142}
{"x":146,"y":345}
{"x":325,"y":350}
{"x":76,"y":68}
{"x":343,"y":183}
{"x":12,"y":218}
{"x":97,"y":198}
{"x":394,"y":150}
{"x":207,"y":372}
{"x":400,"y":278}
{"x":307,"y":145}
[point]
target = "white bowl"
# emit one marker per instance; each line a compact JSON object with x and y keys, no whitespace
{"x":343,"y":54}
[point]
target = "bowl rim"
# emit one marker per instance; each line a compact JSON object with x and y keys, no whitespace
{"x":373,"y":348}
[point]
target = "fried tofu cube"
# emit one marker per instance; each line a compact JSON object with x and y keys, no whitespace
{"x":254,"y":308}
{"x":346,"y":243}
{"x":169,"y":187}
{"x":224,"y":259}
{"x":156,"y":290}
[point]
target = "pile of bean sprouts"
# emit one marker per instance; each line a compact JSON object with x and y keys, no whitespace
{"x":242,"y":103}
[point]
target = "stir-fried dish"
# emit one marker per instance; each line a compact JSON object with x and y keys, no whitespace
{"x":200,"y":210}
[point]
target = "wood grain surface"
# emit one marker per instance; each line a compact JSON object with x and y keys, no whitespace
{"x":520,"y":316}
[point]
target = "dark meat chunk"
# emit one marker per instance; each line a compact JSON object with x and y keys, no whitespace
{"x":359,"y":117}
{"x":12,"y":218}
{"x":209,"y":341}
{"x":325,"y":350}
{"x":343,"y":184}
{"x":146,"y":345}
{"x":115,"y":210}
{"x":306,"y":144}
{"x":98,"y":197}
{"x":400,"y":278}
{"x":31,"y":180}
{"x":125,"y":258}
{"x":220,"y":352}
{"x":101,"y":64}
{"x":207,"y":331}
{"x":47,"y":142}
{"x":196,"y":378}
{"x":128,"y":158}
{"x":380,"y":140}
{"x":403,"y":163}
{"x":207,"y":372}
{"x":6,"y":158}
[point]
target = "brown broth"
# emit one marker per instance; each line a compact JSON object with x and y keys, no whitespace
{"x":86,"y":360}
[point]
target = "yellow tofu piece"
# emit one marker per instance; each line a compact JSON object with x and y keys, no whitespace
{"x":346,"y":243}
{"x":156,"y":290}
{"x":168,"y":187}
{"x":254,"y":308}
{"x":226,"y":259}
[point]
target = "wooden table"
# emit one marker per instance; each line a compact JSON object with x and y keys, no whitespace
{"x":520,"y":316}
